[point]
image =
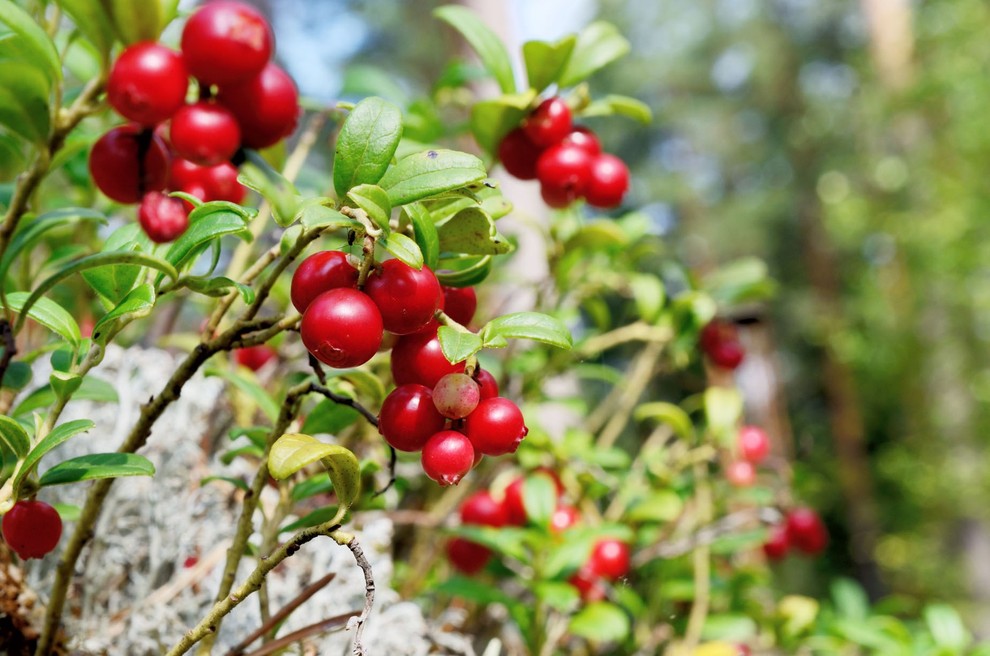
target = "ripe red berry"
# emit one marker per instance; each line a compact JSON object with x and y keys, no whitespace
{"x":515,"y":508}
{"x":466,"y":556}
{"x":518,"y":155}
{"x":205,"y":133}
{"x":727,"y":355}
{"x":206,"y":183}
{"x":754,"y":445}
{"x":719,"y":340}
{"x":255,"y":357}
{"x":32,"y":528}
{"x":487,"y":384}
{"x":610,"y":559}
{"x":266,"y":106}
{"x":496,"y":427}
{"x":342,"y":328}
{"x":147,"y":83}
{"x":318,"y":273}
{"x":162,"y":217}
{"x":778,"y":543}
{"x":589,"y":584}
{"x":740,"y":473}
{"x":447,"y":457}
{"x":549,"y":123}
{"x":563,"y":171}
{"x":608,"y":182}
{"x":226,"y":42}
{"x":418,"y":358}
{"x":460,"y":303}
{"x":406,"y":297}
{"x":482,"y":509}
{"x":585,"y":138}
{"x":456,"y":396}
{"x":408,"y":417}
{"x":563,"y":518}
{"x":118,"y":168}
{"x":806,"y":531}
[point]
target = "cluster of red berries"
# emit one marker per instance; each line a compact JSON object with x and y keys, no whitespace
{"x":720,"y":342}
{"x":802,"y":529}
{"x":566,"y":159}
{"x":32,"y":528}
{"x":244,"y":100}
{"x":753,"y":446}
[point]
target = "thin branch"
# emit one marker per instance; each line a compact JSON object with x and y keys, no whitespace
{"x":369,"y":595}
{"x":392,"y":457}
{"x":9,"y":346}
{"x":707,"y":534}
{"x":318,"y":628}
{"x":348,"y":401}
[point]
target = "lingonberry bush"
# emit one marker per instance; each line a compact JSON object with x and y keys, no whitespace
{"x":609,"y":497}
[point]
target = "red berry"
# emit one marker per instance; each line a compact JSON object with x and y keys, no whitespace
{"x":482,"y":509}
{"x":585,"y":138}
{"x":460,"y":303}
{"x":447,"y":457}
{"x":549,"y":123}
{"x":515,"y":508}
{"x":563,"y":518}
{"x":743,"y":650}
{"x":32,"y":528}
{"x":207,"y":183}
{"x":608,"y":182}
{"x":589,"y":584}
{"x":720,"y":342}
{"x":255,"y":357}
{"x":496,"y":427}
{"x":754,"y":445}
{"x":406,"y":297}
{"x":778,"y":543}
{"x":408,"y":417}
{"x":266,"y":106}
{"x":205,"y":133}
{"x":226,"y":42}
{"x":119,"y":170}
{"x":466,"y":556}
{"x":487,"y":384}
{"x":727,"y":355}
{"x":518,"y":155}
{"x":740,"y":473}
{"x":318,"y":273}
{"x":342,"y":328}
{"x":147,"y":83}
{"x":418,"y":358}
{"x":456,"y":396}
{"x":806,"y":531}
{"x":162,"y":217}
{"x":610,"y":559}
{"x":563,"y":171}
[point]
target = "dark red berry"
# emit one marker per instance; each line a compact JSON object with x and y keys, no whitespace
{"x":496,"y":427}
{"x":778,"y":543}
{"x":563,"y":518}
{"x":754,"y":445}
{"x":207,"y":183}
{"x":418,"y":358}
{"x":32,"y":528}
{"x":407,"y":298}
{"x":318,"y":273}
{"x":408,"y":417}
{"x":806,"y":531}
{"x":447,"y":457}
{"x":162,"y":217}
{"x":518,"y":155}
{"x":147,"y":83}
{"x":205,"y":133}
{"x":119,"y":170}
{"x":482,"y":509}
{"x":487,"y":384}
{"x":460,"y":303}
{"x":719,"y":340}
{"x":608,"y":182}
{"x":515,"y":508}
{"x":610,"y":559}
{"x":466,"y":556}
{"x":740,"y":473}
{"x":589,"y":584}
{"x":456,"y":396}
{"x":585,"y":138}
{"x":549,"y":123}
{"x":564,"y":171}
{"x":255,"y":357}
{"x":226,"y":42}
{"x":266,"y":106}
{"x":727,"y":355}
{"x":342,"y":328}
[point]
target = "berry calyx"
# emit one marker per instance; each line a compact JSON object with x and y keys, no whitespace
{"x":342,"y":328}
{"x":162,"y":217}
{"x":487,"y":385}
{"x":32,"y":528}
{"x":754,"y":445}
{"x":740,"y":473}
{"x":806,"y":531}
{"x":460,"y":303}
{"x":318,"y":273}
{"x":148,"y":83}
{"x":447,"y":457}
{"x":408,"y":417}
{"x":496,"y":427}
{"x":778,"y":543}
{"x":518,"y":155}
{"x":266,"y":106}
{"x":255,"y":357}
{"x":609,"y":559}
{"x":608,"y":181}
{"x":205,"y":133}
{"x":127,"y":162}
{"x":418,"y":358}
{"x":549,"y":123}
{"x":407,"y":298}
{"x":563,"y":171}
{"x":226,"y":42}
{"x":456,"y":396}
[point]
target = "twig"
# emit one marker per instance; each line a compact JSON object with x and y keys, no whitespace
{"x":313,"y":629}
{"x":369,"y":595}
{"x":348,"y":401}
{"x":706,"y":535}
{"x":391,"y":473}
{"x":702,"y":563}
{"x":638,"y":331}
{"x":9,"y":346}
{"x":639,"y":377}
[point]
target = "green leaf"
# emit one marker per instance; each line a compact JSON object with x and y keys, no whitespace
{"x":601,"y":621}
{"x":504,"y":540}
{"x":113,"y":283}
{"x":316,"y":215}
{"x":571,"y":554}
{"x":472,"y":231}
{"x":366,"y":144}
{"x":729,"y":627}
{"x":463,"y":271}
{"x":216,"y":287}
{"x":526,"y":325}
{"x":211,"y":224}
{"x":239,"y":483}
{"x":137,"y":20}
{"x":58,"y":435}
{"x":946,"y":627}
{"x":723,"y":408}
{"x":850,"y":599}
{"x":314,"y":518}
{"x":490,"y":49}
{"x":92,"y":20}
{"x":648,"y":292}
{"x":429,"y":173}
{"x":740,"y":281}
{"x":540,"y":499}
{"x":622,"y":105}
{"x":17,"y":376}
{"x":456,"y":345}
{"x":24,"y":106}
{"x":329,"y":417}
{"x":258,"y":175}
{"x":403,"y":248}
{"x":48,"y":313}
{"x":14,"y":436}
{"x":137,"y":304}
{"x":64,"y":384}
{"x":250,"y":387}
{"x":425,"y":234}
{"x":97,"y":465}
{"x":667,"y":413}
{"x":91,"y":389}
{"x":68,"y":512}
{"x":293,"y":451}
{"x":492,"y":119}
{"x":657,"y":506}
{"x":545,"y":61}
{"x":311,"y":487}
{"x":374,"y":201}
{"x":364,"y":384}
{"x":29,"y":40}
{"x":476,"y":591}
{"x":563,"y":597}
{"x":598,"y":45}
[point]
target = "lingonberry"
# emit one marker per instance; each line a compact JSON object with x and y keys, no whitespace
{"x":518,"y":155}
{"x":719,"y":340}
{"x":205,"y":133}
{"x":32,"y":528}
{"x":740,"y":473}
{"x":585,"y":138}
{"x":564,"y":171}
{"x":342,"y":328}
{"x":447,"y":457}
{"x":589,"y":584}
{"x":147,"y":83}
{"x":466,"y":556}
{"x":318,"y":273}
{"x":128,"y":162}
{"x":482,"y":509}
{"x":778,"y":543}
{"x":266,"y":106}
{"x":162,"y":217}
{"x":563,"y":518}
{"x":408,"y":417}
{"x":460,"y":303}
{"x":806,"y":531}
{"x":418,"y":358}
{"x":255,"y":357}
{"x":754,"y":445}
{"x":515,"y":508}
{"x":206,"y":183}
{"x":608,"y":181}
{"x":407,"y":298}
{"x":496,"y":427}
{"x":226,"y":42}
{"x":487,"y":385}
{"x":609,"y":558}
{"x":456,"y":396}
{"x":549,"y":123}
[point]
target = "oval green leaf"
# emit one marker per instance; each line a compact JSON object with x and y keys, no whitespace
{"x":58,"y":435}
{"x":14,"y":436}
{"x":527,"y":325}
{"x":598,"y":45}
{"x":429,"y":173}
{"x":366,"y":144}
{"x":456,"y":345}
{"x":48,"y":313}
{"x":138,"y":303}
{"x":293,"y":451}
{"x":490,"y":49}
{"x":97,"y":465}
{"x":403,"y":248}
{"x":374,"y":201}
{"x":601,"y":622}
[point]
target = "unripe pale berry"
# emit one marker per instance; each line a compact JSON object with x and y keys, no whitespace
{"x":408,"y":417}
{"x":740,"y":473}
{"x":407,"y":298}
{"x":32,"y":528}
{"x":456,"y":396}
{"x":496,"y":427}
{"x":447,"y":457}
{"x":342,"y":328}
{"x":318,"y":273}
{"x":148,"y":83}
